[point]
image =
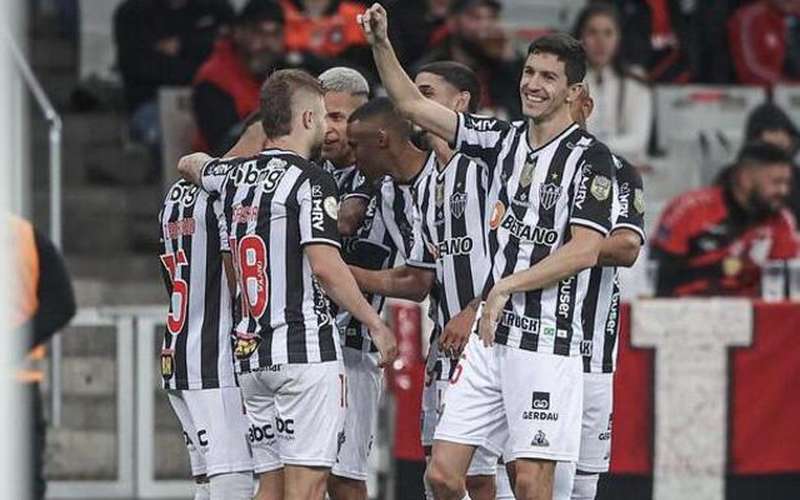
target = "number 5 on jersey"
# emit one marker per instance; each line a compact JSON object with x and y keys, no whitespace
{"x":250,"y":260}
{"x":180,"y":291}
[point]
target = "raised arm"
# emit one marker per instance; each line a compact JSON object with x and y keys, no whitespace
{"x":406,"y":97}
{"x":404,"y":282}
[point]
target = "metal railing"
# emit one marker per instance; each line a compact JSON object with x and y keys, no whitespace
{"x":54,"y":139}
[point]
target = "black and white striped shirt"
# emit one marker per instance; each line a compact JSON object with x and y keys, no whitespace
{"x":386,"y":237}
{"x":349,"y":180}
{"x":275,"y":203}
{"x":196,"y":351}
{"x":536,"y":195}
{"x":600,"y":314}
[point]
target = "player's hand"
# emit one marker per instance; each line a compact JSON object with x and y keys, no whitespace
{"x":384,"y":340}
{"x":456,"y":332}
{"x":191,"y":166}
{"x":492,"y":308}
{"x":374,"y":22}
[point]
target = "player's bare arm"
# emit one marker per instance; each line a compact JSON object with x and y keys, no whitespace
{"x":620,"y":249}
{"x":581,"y":252}
{"x":250,"y":143}
{"x":191,"y":167}
{"x":334,"y":276}
{"x":426,"y":113}
{"x":351,"y":213}
{"x":403,"y":282}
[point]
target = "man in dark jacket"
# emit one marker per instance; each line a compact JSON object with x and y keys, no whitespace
{"x":227,"y":85}
{"x":160,"y":43}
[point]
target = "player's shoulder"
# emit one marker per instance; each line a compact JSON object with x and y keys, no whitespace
{"x":183,"y":191}
{"x":485,"y":123}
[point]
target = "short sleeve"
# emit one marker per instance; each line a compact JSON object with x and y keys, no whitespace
{"x":594,"y":190}
{"x":319,"y":210}
{"x":213,"y":175}
{"x":224,"y":243}
{"x":358,"y":187}
{"x":630,"y":199}
{"x":419,"y":255}
{"x":480,"y":137}
{"x":784,"y":244}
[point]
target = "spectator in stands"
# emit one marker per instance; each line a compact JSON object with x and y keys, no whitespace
{"x":624,"y":110}
{"x":416,"y":26}
{"x":476,"y":38}
{"x":326,"y":28}
{"x":227,"y":85}
{"x":713,"y":241}
{"x":160,"y":43}
{"x":765,"y":42}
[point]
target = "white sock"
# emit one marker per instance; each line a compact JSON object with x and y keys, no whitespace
{"x":232,"y":486}
{"x":202,"y":491}
{"x":585,"y":486}
{"x":562,"y":481}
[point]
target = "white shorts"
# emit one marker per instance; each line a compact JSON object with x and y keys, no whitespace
{"x":296,"y":414}
{"x":532,"y":399}
{"x":215,"y":429}
{"x":437,"y":379}
{"x":363,"y":383}
{"x":598,"y":400}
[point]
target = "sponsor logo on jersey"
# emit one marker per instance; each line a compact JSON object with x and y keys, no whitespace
{"x":601,"y":187}
{"x":540,"y":408}
{"x":285,"y":428}
{"x":454,"y":246}
{"x":260,"y":433}
{"x":250,"y":174}
{"x":179,"y":228}
{"x":586,"y":347}
{"x":521,"y":231}
{"x":540,"y":439}
{"x":243,"y":214}
{"x":564,"y":298}
{"x":202,"y":438}
{"x":549,"y":194}
{"x":541,"y":400}
{"x":622,"y":198}
{"x":524,"y":323}
{"x":317,"y":214}
{"x":480,"y":124}
{"x":458,"y":202}
{"x":580,"y":192}
{"x":606,"y":435}
{"x":498,"y":212}
{"x":183,"y":194}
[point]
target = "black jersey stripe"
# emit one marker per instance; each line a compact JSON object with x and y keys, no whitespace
{"x":209,"y":349}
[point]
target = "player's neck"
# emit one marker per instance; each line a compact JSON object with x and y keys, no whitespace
{"x":542,"y":132}
{"x":408,"y":161}
{"x":442,"y":151}
{"x":290,"y":143}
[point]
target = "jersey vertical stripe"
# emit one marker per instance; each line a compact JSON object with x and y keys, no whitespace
{"x":275,"y":203}
{"x":193,"y":238}
{"x":601,"y":308}
{"x":451,"y":203}
{"x":536,"y":195}
{"x":384,"y":238}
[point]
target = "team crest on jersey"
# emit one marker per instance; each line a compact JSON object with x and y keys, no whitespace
{"x":439,"y":195}
{"x":526,"y":177}
{"x":549,"y":194}
{"x":638,"y":200}
{"x":498,"y":212}
{"x":601,"y":187}
{"x":167,"y":363}
{"x":458,"y":202}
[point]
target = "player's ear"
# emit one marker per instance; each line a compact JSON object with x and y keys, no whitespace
{"x":308,"y":119}
{"x":462,"y":101}
{"x":383,"y":138}
{"x":574,"y":92}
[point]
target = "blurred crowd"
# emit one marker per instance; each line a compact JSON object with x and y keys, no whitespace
{"x":225,"y":53}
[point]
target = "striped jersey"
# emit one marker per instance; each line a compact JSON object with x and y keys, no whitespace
{"x":536,"y":194}
{"x":275,"y":203}
{"x":349,"y":180}
{"x":600,"y":313}
{"x":386,"y":236}
{"x":196,"y":350}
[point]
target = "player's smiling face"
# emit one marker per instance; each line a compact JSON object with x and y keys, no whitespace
{"x":543,"y":88}
{"x":339,"y":106}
